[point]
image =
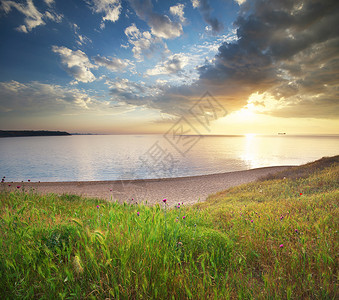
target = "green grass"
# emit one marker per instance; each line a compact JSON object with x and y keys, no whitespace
{"x":64,"y":247}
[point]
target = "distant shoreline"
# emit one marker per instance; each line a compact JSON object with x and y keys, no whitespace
{"x":23,"y":133}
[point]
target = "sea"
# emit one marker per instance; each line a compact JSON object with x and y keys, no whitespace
{"x":128,"y":157}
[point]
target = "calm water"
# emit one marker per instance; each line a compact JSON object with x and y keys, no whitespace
{"x":114,"y":157}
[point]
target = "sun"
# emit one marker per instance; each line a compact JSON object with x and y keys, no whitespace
{"x":250,"y":136}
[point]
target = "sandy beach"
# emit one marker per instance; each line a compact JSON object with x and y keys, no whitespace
{"x":182,"y":189}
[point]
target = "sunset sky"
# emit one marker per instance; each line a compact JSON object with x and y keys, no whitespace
{"x":115,"y":66}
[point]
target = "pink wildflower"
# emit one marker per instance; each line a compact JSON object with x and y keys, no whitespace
{"x":281,"y":245}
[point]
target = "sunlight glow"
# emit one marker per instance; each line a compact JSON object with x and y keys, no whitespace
{"x":250,"y":135}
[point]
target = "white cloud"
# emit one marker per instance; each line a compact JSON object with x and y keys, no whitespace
{"x":163,"y":27}
{"x":240,"y":1}
{"x":173,"y":65}
{"x":76,"y":63}
{"x":110,"y":8}
{"x":124,"y":90}
{"x":178,"y":10}
{"x":113,"y":64}
{"x":38,"y":97}
{"x":143,"y":43}
{"x":132,"y":31}
{"x":33,"y":18}
{"x":53,"y":16}
{"x":35,"y":99}
{"x":49,"y":2}
{"x":195,"y":3}
{"x":80,"y":39}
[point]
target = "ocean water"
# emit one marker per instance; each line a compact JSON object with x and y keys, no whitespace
{"x":115,"y":157}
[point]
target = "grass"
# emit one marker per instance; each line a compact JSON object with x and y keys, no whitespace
{"x":272,"y":239}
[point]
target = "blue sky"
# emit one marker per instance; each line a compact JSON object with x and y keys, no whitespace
{"x":113,"y":66}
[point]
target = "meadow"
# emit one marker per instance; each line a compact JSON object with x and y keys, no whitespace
{"x":276,"y":238}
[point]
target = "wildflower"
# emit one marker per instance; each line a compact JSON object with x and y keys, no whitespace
{"x":179,"y":204}
{"x":29,"y":180}
{"x":164,"y":201}
{"x":281,"y":245}
{"x":251,"y":221}
{"x":296,"y":230}
{"x":301,"y":194}
{"x":138,"y":213}
{"x":9,"y":185}
{"x":98,"y":206}
{"x":18,"y":187}
{"x":110,"y":190}
{"x":183,"y":217}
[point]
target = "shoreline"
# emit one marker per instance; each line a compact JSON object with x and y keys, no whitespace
{"x":188,"y":190}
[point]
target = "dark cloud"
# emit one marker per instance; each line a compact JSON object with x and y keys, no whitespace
{"x":206,"y":10}
{"x":286,"y":49}
{"x":161,"y":25}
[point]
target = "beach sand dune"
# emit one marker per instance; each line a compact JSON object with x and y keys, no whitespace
{"x":188,"y":190}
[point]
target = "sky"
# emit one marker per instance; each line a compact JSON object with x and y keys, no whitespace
{"x":132,"y":67}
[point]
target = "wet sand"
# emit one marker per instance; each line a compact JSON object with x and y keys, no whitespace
{"x":181,"y":189}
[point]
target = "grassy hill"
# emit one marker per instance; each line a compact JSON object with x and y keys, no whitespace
{"x":273,"y":239}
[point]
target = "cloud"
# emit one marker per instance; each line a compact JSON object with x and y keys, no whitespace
{"x":76,"y":63}
{"x":144,"y":44}
{"x":49,"y":2}
{"x":80,"y":39}
{"x":178,"y":10}
{"x":33,"y":18}
{"x":285,"y":51}
{"x":195,"y":3}
{"x":174,"y":64}
{"x":22,"y":104}
{"x":110,"y":8}
{"x":113,"y":64}
{"x":35,"y":97}
{"x":240,"y":2}
{"x":206,"y":10}
{"x":130,"y":92}
{"x":161,"y":25}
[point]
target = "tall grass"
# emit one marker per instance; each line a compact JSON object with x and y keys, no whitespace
{"x":274,"y":239}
